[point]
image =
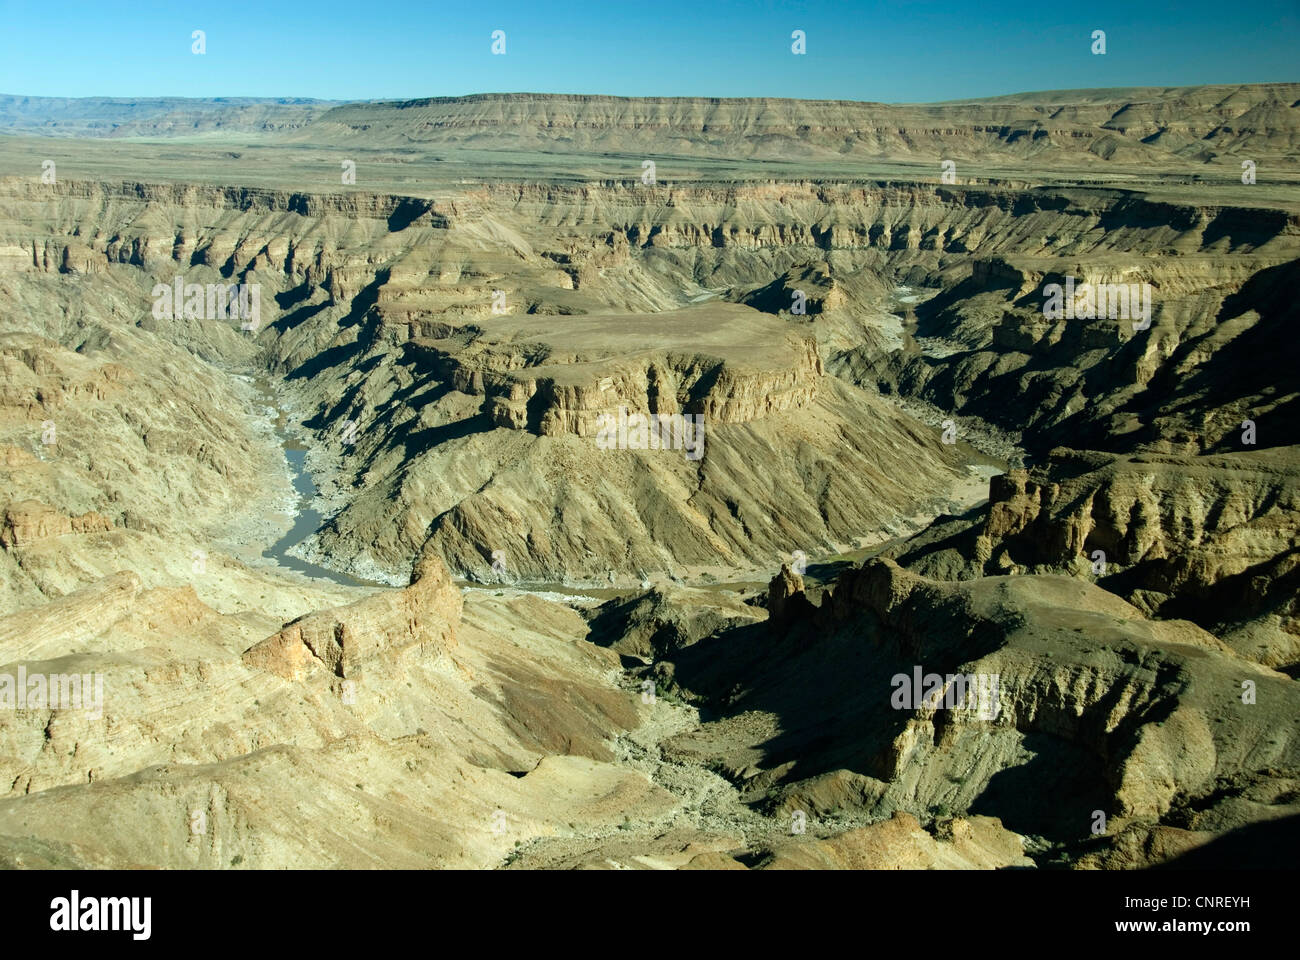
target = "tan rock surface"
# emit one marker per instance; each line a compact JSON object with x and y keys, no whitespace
{"x":899,"y":843}
{"x":439,"y":343}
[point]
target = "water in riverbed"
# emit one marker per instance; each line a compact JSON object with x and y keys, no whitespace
{"x":306,"y":519}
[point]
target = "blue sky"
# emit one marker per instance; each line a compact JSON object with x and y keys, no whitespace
{"x":914,"y":50}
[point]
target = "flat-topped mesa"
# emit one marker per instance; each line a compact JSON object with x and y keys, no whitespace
{"x":422,"y":617}
{"x":586,"y":369}
{"x":719,"y":391}
{"x":556,"y":399}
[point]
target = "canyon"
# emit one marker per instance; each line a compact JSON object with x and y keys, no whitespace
{"x":502,"y":643}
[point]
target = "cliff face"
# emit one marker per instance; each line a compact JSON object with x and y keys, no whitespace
{"x":574,"y":233}
{"x":1213,"y":539}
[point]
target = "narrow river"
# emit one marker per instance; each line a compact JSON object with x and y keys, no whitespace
{"x":307,"y":520}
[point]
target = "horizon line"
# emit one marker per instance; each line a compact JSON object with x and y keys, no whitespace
{"x":448,"y":98}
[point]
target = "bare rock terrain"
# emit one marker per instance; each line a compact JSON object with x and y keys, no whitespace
{"x":543,"y":644}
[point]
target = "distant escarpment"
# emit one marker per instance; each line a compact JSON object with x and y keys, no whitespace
{"x":156,"y":116}
{"x":1172,"y":126}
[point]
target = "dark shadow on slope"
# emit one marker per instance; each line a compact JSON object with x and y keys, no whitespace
{"x":1240,"y":595}
{"x":1254,"y":226}
{"x":1261,"y":365}
{"x":295,"y":318}
{"x":419,"y":441}
{"x":288,"y":299}
{"x":334,"y":413}
{"x":331,"y":357}
{"x":1053,"y":795}
{"x":341,"y":353}
{"x":829,"y":683}
{"x":1263,"y":359}
{"x":407,"y":211}
{"x":366,"y":298}
{"x":955,"y":533}
{"x":1259,"y":846}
